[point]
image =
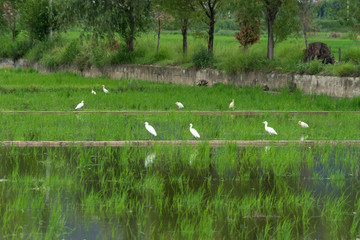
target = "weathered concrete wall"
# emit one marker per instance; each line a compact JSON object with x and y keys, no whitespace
{"x":328,"y":85}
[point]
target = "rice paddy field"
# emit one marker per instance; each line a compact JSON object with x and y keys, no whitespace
{"x":166,"y":191}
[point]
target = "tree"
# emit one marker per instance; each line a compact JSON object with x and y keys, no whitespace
{"x":249,"y":19}
{"x":9,"y":11}
{"x":305,"y":16}
{"x":279,"y":18}
{"x":209,"y":8}
{"x":350,"y":13}
{"x":35,"y":18}
{"x":127,"y":18}
{"x":182,"y":13}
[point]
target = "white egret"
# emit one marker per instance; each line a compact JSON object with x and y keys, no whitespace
{"x":194,"y":132}
{"x":104,"y":89}
{"x":180,"y":105}
{"x":270,"y":130}
{"x":231,"y":105}
{"x":303,"y":125}
{"x":80,"y":105}
{"x":150,"y":129}
{"x":93,"y":92}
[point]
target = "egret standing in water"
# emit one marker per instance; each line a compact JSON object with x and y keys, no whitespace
{"x":303,"y":125}
{"x":150,"y":129}
{"x":270,"y":130}
{"x":194,"y":132}
{"x":80,"y":105}
{"x":104,"y":89}
{"x":180,"y":105}
{"x":231,"y":105}
{"x":93,"y":92}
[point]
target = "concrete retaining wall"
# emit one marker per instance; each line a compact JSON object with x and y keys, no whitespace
{"x":328,"y":85}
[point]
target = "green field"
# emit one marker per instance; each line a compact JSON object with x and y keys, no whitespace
{"x":173,"y":192}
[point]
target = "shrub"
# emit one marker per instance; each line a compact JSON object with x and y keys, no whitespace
{"x":38,"y":50}
{"x":351,"y":54}
{"x":123,"y":56}
{"x":69,"y":52}
{"x":18,"y":49}
{"x":345,"y":69}
{"x":245,"y":61}
{"x":315,"y":67}
{"x":202,"y":58}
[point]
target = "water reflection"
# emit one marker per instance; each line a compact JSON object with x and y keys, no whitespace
{"x":105,"y":193}
{"x":149,"y":160}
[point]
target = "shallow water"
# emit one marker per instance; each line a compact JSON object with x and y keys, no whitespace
{"x":224,"y":193}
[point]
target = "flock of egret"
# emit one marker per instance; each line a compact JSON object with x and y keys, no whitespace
{"x":193,"y":131}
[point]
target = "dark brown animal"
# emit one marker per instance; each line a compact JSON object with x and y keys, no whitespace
{"x":321,"y":51}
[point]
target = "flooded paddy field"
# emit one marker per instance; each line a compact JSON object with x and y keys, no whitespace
{"x":186,"y":192}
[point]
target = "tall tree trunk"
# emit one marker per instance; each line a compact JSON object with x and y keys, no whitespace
{"x":184,"y":28}
{"x":211,"y":31}
{"x":270,"y":48}
{"x":130,"y":37}
{"x":159,"y":31}
{"x":305,"y":36}
{"x":50,"y":20}
{"x":13,"y":30}
{"x":272,"y":9}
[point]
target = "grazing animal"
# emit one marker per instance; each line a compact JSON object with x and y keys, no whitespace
{"x":321,"y":51}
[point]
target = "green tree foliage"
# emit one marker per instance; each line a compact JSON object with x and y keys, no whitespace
{"x":280,"y":18}
{"x":35,"y":18}
{"x":208,"y":9}
{"x":249,"y":20}
{"x":108,"y":18}
{"x":10,"y":14}
{"x":182,"y":13}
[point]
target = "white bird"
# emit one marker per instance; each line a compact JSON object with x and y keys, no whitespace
{"x":93,"y":92}
{"x":231,"y":105}
{"x":80,"y":105}
{"x":104,"y":89}
{"x":269,"y":129}
{"x":150,"y":129}
{"x":194,"y":132}
{"x":303,"y":125}
{"x":180,"y":105}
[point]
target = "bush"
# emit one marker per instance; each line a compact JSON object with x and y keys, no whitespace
{"x":351,"y":54}
{"x":38,"y":50}
{"x":70,"y":52}
{"x":345,"y":69}
{"x":18,"y":49}
{"x":202,"y":58}
{"x":240,"y":61}
{"x":315,"y":67}
{"x":123,"y":56}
